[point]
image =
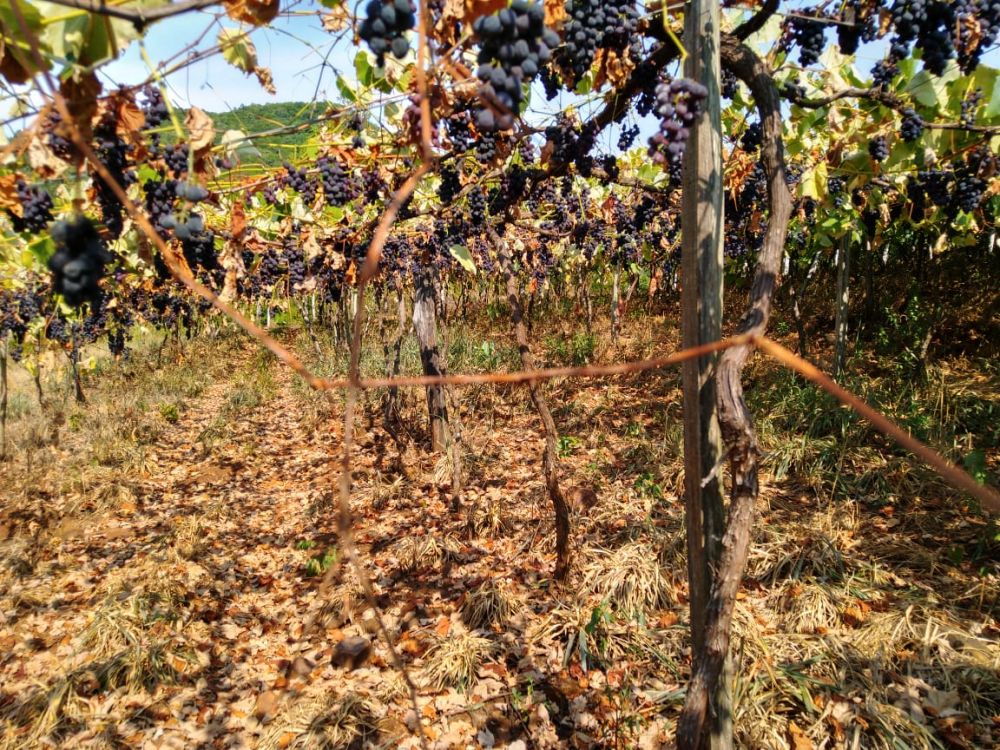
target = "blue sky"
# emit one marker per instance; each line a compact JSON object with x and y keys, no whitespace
{"x":293,"y":48}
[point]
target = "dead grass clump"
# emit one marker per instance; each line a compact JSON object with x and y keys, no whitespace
{"x":593,"y":635}
{"x":18,"y":557}
{"x":488,"y":517}
{"x":629,"y":577}
{"x":133,"y":638}
{"x":491,"y":603}
{"x":189,"y":540}
{"x":43,"y":715}
{"x":381,"y":492}
{"x":453,"y":659}
{"x":807,"y":607}
{"x":427,"y":551}
{"x":324,"y":722}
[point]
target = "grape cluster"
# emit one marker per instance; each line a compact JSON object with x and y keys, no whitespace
{"x":113,"y":152}
{"x":36,"y":207}
{"x":730,"y":84}
{"x":936,"y":184}
{"x":486,"y":148}
{"x":810,"y":35}
{"x":338,"y":187}
{"x":477,"y":207}
{"x":864,"y":19}
{"x":550,"y":82}
{"x":753,"y":136}
{"x":154,"y":108}
{"x":514,"y":43}
{"x":61,"y":145}
{"x":594,"y":25}
{"x":176,"y":157}
{"x":78,"y":262}
{"x":459,"y":130}
{"x":295,"y":261}
{"x":451,"y":185}
{"x":679,"y":105}
{"x":970,"y":105}
{"x":627,"y":137}
{"x":299,"y":181}
{"x":912,"y":126}
{"x":270,"y":194}
{"x":159,"y":198}
{"x":835,"y":187}
{"x":884,"y":72}
{"x":878,"y":148}
{"x":197,"y":243}
{"x":385,"y":25}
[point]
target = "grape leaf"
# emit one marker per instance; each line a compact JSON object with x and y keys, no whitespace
{"x":462,"y":255}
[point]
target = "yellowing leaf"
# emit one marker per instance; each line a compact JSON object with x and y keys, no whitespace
{"x":255,"y":12}
{"x":238,"y":50}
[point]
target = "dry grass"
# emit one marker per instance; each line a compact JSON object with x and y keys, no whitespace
{"x":323,"y":722}
{"x":453,"y":659}
{"x":490,"y":604}
{"x":427,"y":551}
{"x":488,"y":517}
{"x":593,"y":636}
{"x":629,"y":577}
{"x":189,"y":540}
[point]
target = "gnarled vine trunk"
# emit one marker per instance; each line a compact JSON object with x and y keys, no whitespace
{"x":735,"y":420}
{"x":550,"y":457}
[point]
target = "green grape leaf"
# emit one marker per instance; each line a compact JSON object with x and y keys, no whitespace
{"x":17,"y":62}
{"x":993,"y":98}
{"x":346,"y":90}
{"x":464,"y":257}
{"x":363,"y":68}
{"x":813,"y":184}
{"x":237,"y":49}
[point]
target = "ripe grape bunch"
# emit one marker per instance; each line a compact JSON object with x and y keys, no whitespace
{"x":514,"y":44}
{"x":912,"y":126}
{"x":384,"y":27}
{"x":679,"y":105}
{"x":78,"y":262}
{"x":878,"y":148}
{"x":595,"y":25}
{"x":36,"y":206}
{"x":810,"y":35}
{"x":337,"y":187}
{"x":299,"y":181}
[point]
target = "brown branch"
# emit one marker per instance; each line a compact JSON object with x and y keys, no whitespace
{"x":756,"y":22}
{"x":138,"y":16}
{"x":886,"y":98}
{"x":530,"y":376}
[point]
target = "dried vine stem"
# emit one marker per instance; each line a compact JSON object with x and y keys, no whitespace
{"x":735,"y":420}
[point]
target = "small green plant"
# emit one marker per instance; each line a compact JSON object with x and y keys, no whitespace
{"x":634,"y":429}
{"x":170,"y":413}
{"x":319,"y":565}
{"x":591,"y":644}
{"x":567,"y":445}
{"x":305,"y":544}
{"x":647,"y":486}
{"x":583,"y":346}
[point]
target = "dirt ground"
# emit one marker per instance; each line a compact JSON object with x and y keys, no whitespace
{"x":171,"y":577}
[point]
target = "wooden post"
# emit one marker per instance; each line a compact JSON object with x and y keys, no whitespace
{"x":701,"y":321}
{"x":425,"y":324}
